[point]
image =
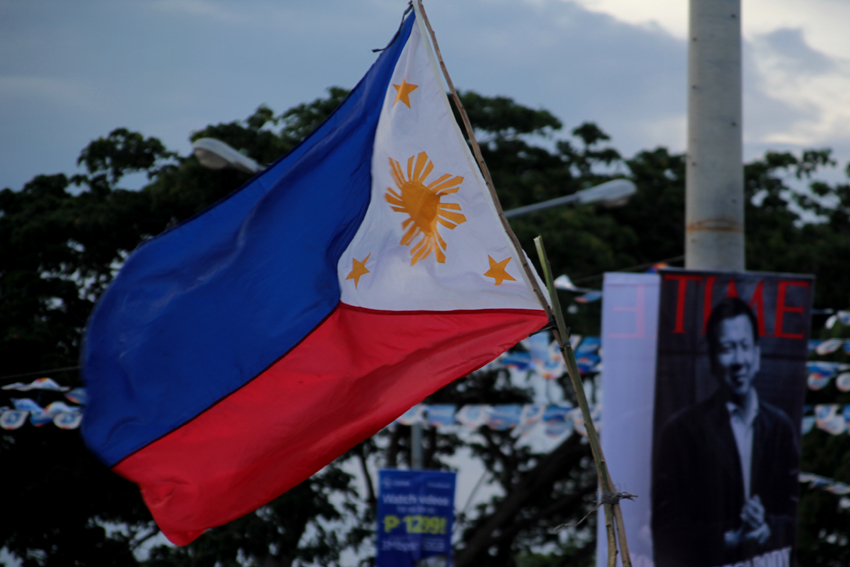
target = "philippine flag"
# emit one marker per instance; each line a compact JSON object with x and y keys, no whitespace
{"x":240,"y":352}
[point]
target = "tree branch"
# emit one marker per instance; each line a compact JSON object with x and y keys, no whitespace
{"x":538,"y":480}
{"x":367,"y":478}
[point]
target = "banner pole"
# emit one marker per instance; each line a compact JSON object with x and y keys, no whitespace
{"x":609,"y":495}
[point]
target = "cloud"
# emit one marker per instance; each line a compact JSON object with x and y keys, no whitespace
{"x":669,"y":15}
{"x":167,"y":67}
{"x":789,"y":45}
{"x":581,"y":65}
{"x":798,"y":95}
{"x":298,"y":19}
{"x":201,"y":8}
{"x":824,"y":21}
{"x":67,"y":93}
{"x":796,"y":80}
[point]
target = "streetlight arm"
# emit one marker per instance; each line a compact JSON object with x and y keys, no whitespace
{"x":610,"y":194}
{"x":215,"y":154}
{"x":519,"y":211}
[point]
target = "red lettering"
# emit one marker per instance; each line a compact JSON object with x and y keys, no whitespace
{"x":639,"y":310}
{"x":683,"y":280}
{"x":706,"y":302}
{"x":731,"y":289}
{"x":758,"y":300}
{"x":781,"y":309}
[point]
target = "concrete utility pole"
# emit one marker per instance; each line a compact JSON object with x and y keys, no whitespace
{"x":714,"y":209}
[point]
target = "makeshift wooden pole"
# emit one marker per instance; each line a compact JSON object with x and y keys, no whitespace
{"x":606,"y":486}
{"x":608,"y":493}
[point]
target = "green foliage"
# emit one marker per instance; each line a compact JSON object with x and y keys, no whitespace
{"x":123,"y":152}
{"x":501,"y":116}
{"x":824,"y":529}
{"x":62,"y":240}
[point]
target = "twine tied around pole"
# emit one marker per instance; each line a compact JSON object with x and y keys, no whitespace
{"x":606,"y":498}
{"x":615,"y":528}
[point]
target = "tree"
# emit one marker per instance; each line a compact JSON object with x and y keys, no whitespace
{"x":62,"y":240}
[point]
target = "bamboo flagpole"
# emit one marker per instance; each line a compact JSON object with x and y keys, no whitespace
{"x":609,"y":497}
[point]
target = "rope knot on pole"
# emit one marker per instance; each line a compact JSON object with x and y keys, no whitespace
{"x":605,"y":498}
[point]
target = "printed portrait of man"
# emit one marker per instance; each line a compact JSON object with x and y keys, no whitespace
{"x":724,"y":485}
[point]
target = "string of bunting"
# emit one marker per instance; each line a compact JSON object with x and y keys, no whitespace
{"x":839,"y":316}
{"x":590,"y":295}
{"x":822,"y":372}
{"x":557,"y":421}
{"x":541,"y":356}
{"x":59,"y":413}
{"x":832,"y":418}
{"x":833,"y":486}
{"x":523,"y":419}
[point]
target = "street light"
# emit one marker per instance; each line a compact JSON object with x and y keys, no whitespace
{"x":611,"y":194}
{"x":215,"y":154}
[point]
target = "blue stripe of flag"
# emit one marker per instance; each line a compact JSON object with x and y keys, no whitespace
{"x":202,"y":309}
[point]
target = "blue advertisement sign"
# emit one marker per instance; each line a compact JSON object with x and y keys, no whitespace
{"x":415,"y":514}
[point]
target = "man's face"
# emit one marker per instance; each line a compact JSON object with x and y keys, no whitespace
{"x":738,"y":355}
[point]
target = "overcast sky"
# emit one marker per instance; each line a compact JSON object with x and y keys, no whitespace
{"x":73,"y":71}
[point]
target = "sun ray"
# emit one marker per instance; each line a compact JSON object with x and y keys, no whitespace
{"x":441,"y":241}
{"x":447,"y":191}
{"x":457,"y":218}
{"x":410,"y":168}
{"x":423,"y":252}
{"x":440,"y":179}
{"x":409,"y":235}
{"x":393,"y":198}
{"x":447,"y":224}
{"x":429,"y":167}
{"x":422,"y":244}
{"x":453,"y":182}
{"x":395,"y":171}
{"x":422,"y":203}
{"x":421,"y":161}
{"x":439,"y":248}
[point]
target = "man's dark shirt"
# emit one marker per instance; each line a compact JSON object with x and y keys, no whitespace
{"x":698,"y":487}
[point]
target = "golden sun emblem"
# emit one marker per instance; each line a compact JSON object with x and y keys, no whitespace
{"x":422,"y":203}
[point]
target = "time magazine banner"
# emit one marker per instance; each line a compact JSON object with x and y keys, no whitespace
{"x":729,"y":389}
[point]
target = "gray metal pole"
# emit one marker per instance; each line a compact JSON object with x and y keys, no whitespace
{"x":416,"y":446}
{"x":714,"y":210}
{"x":613,"y":193}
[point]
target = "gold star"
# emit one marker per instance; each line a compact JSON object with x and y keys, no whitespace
{"x":497,"y":270}
{"x":358,"y":269}
{"x":403,"y":92}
